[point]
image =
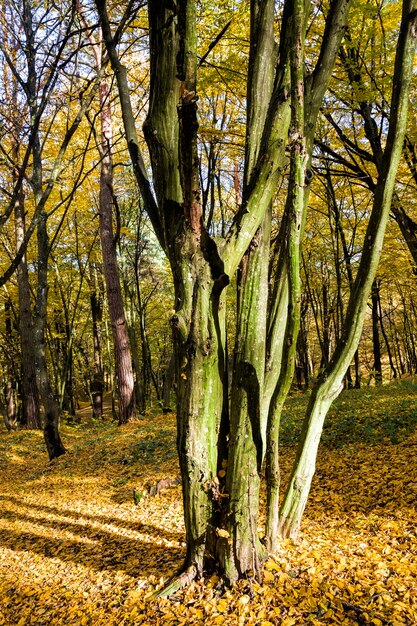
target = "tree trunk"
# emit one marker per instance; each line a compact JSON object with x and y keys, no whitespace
{"x":122,"y":354}
{"x":376,"y":344}
{"x":167,"y":386}
{"x":30,"y":394}
{"x":202,"y":266}
{"x":330,"y":383}
{"x":97,"y":381}
{"x":10,"y":413}
{"x":242,"y":549}
{"x":385,"y":336}
{"x":50,"y":405}
{"x":295,"y":217}
{"x":121,"y":344}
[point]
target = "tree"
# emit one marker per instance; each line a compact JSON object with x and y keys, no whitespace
{"x":329,"y":384}
{"x":221,"y":480}
{"x":121,"y":344}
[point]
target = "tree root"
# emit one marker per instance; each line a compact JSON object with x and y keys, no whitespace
{"x":178,"y":582}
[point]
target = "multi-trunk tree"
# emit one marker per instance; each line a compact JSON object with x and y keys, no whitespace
{"x":221,"y":451}
{"x":228,"y":423}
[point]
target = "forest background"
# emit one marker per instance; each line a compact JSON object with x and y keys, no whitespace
{"x":89,"y":305}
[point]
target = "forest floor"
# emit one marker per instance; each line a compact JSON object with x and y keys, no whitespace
{"x":75,"y":549}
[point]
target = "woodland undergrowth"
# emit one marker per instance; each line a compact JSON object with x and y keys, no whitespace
{"x":76,"y":549}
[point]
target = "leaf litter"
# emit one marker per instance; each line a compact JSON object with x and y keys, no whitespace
{"x":75,"y":549}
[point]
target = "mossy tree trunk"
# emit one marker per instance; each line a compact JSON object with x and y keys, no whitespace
{"x":295,"y":209}
{"x":240,"y":551}
{"x":220,"y":455}
{"x":330,"y":383}
{"x":306,"y":99}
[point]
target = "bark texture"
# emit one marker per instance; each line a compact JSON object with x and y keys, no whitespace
{"x":330,"y":384}
{"x":220,"y":453}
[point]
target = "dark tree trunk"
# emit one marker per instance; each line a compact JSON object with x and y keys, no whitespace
{"x":97,"y":380}
{"x":385,"y":336}
{"x":376,"y":344}
{"x":29,"y":389}
{"x":49,"y":401}
{"x":10,"y":413}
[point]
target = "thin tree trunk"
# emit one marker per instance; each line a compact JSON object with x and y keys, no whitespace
{"x":10,"y":413}
{"x":50,"y":405}
{"x":169,"y":375}
{"x":295,"y":209}
{"x":376,"y":344}
{"x":330,"y":384}
{"x":96,"y":303}
{"x":30,"y":394}
{"x":48,"y":398}
{"x":385,"y":336}
{"x":121,"y":345}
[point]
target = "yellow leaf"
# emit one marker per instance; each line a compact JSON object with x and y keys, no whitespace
{"x":243,"y":600}
{"x":271,"y":565}
{"x":222,"y":605}
{"x":222,"y":532}
{"x":213,"y":581}
{"x":268,"y":577}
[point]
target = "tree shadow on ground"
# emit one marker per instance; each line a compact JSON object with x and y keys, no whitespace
{"x":105,"y":519}
{"x":98,"y":548}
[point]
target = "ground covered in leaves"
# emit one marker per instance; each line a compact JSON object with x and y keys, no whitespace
{"x":76,"y":549}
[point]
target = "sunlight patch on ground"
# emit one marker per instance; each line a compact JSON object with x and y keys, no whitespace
{"x":74,"y":548}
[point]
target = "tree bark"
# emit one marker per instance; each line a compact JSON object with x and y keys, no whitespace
{"x":96,"y":303}
{"x":49,"y":402}
{"x":202,"y":267}
{"x":30,"y":394}
{"x":376,"y":343}
{"x":121,"y":345}
{"x":51,"y":417}
{"x":330,"y":384}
